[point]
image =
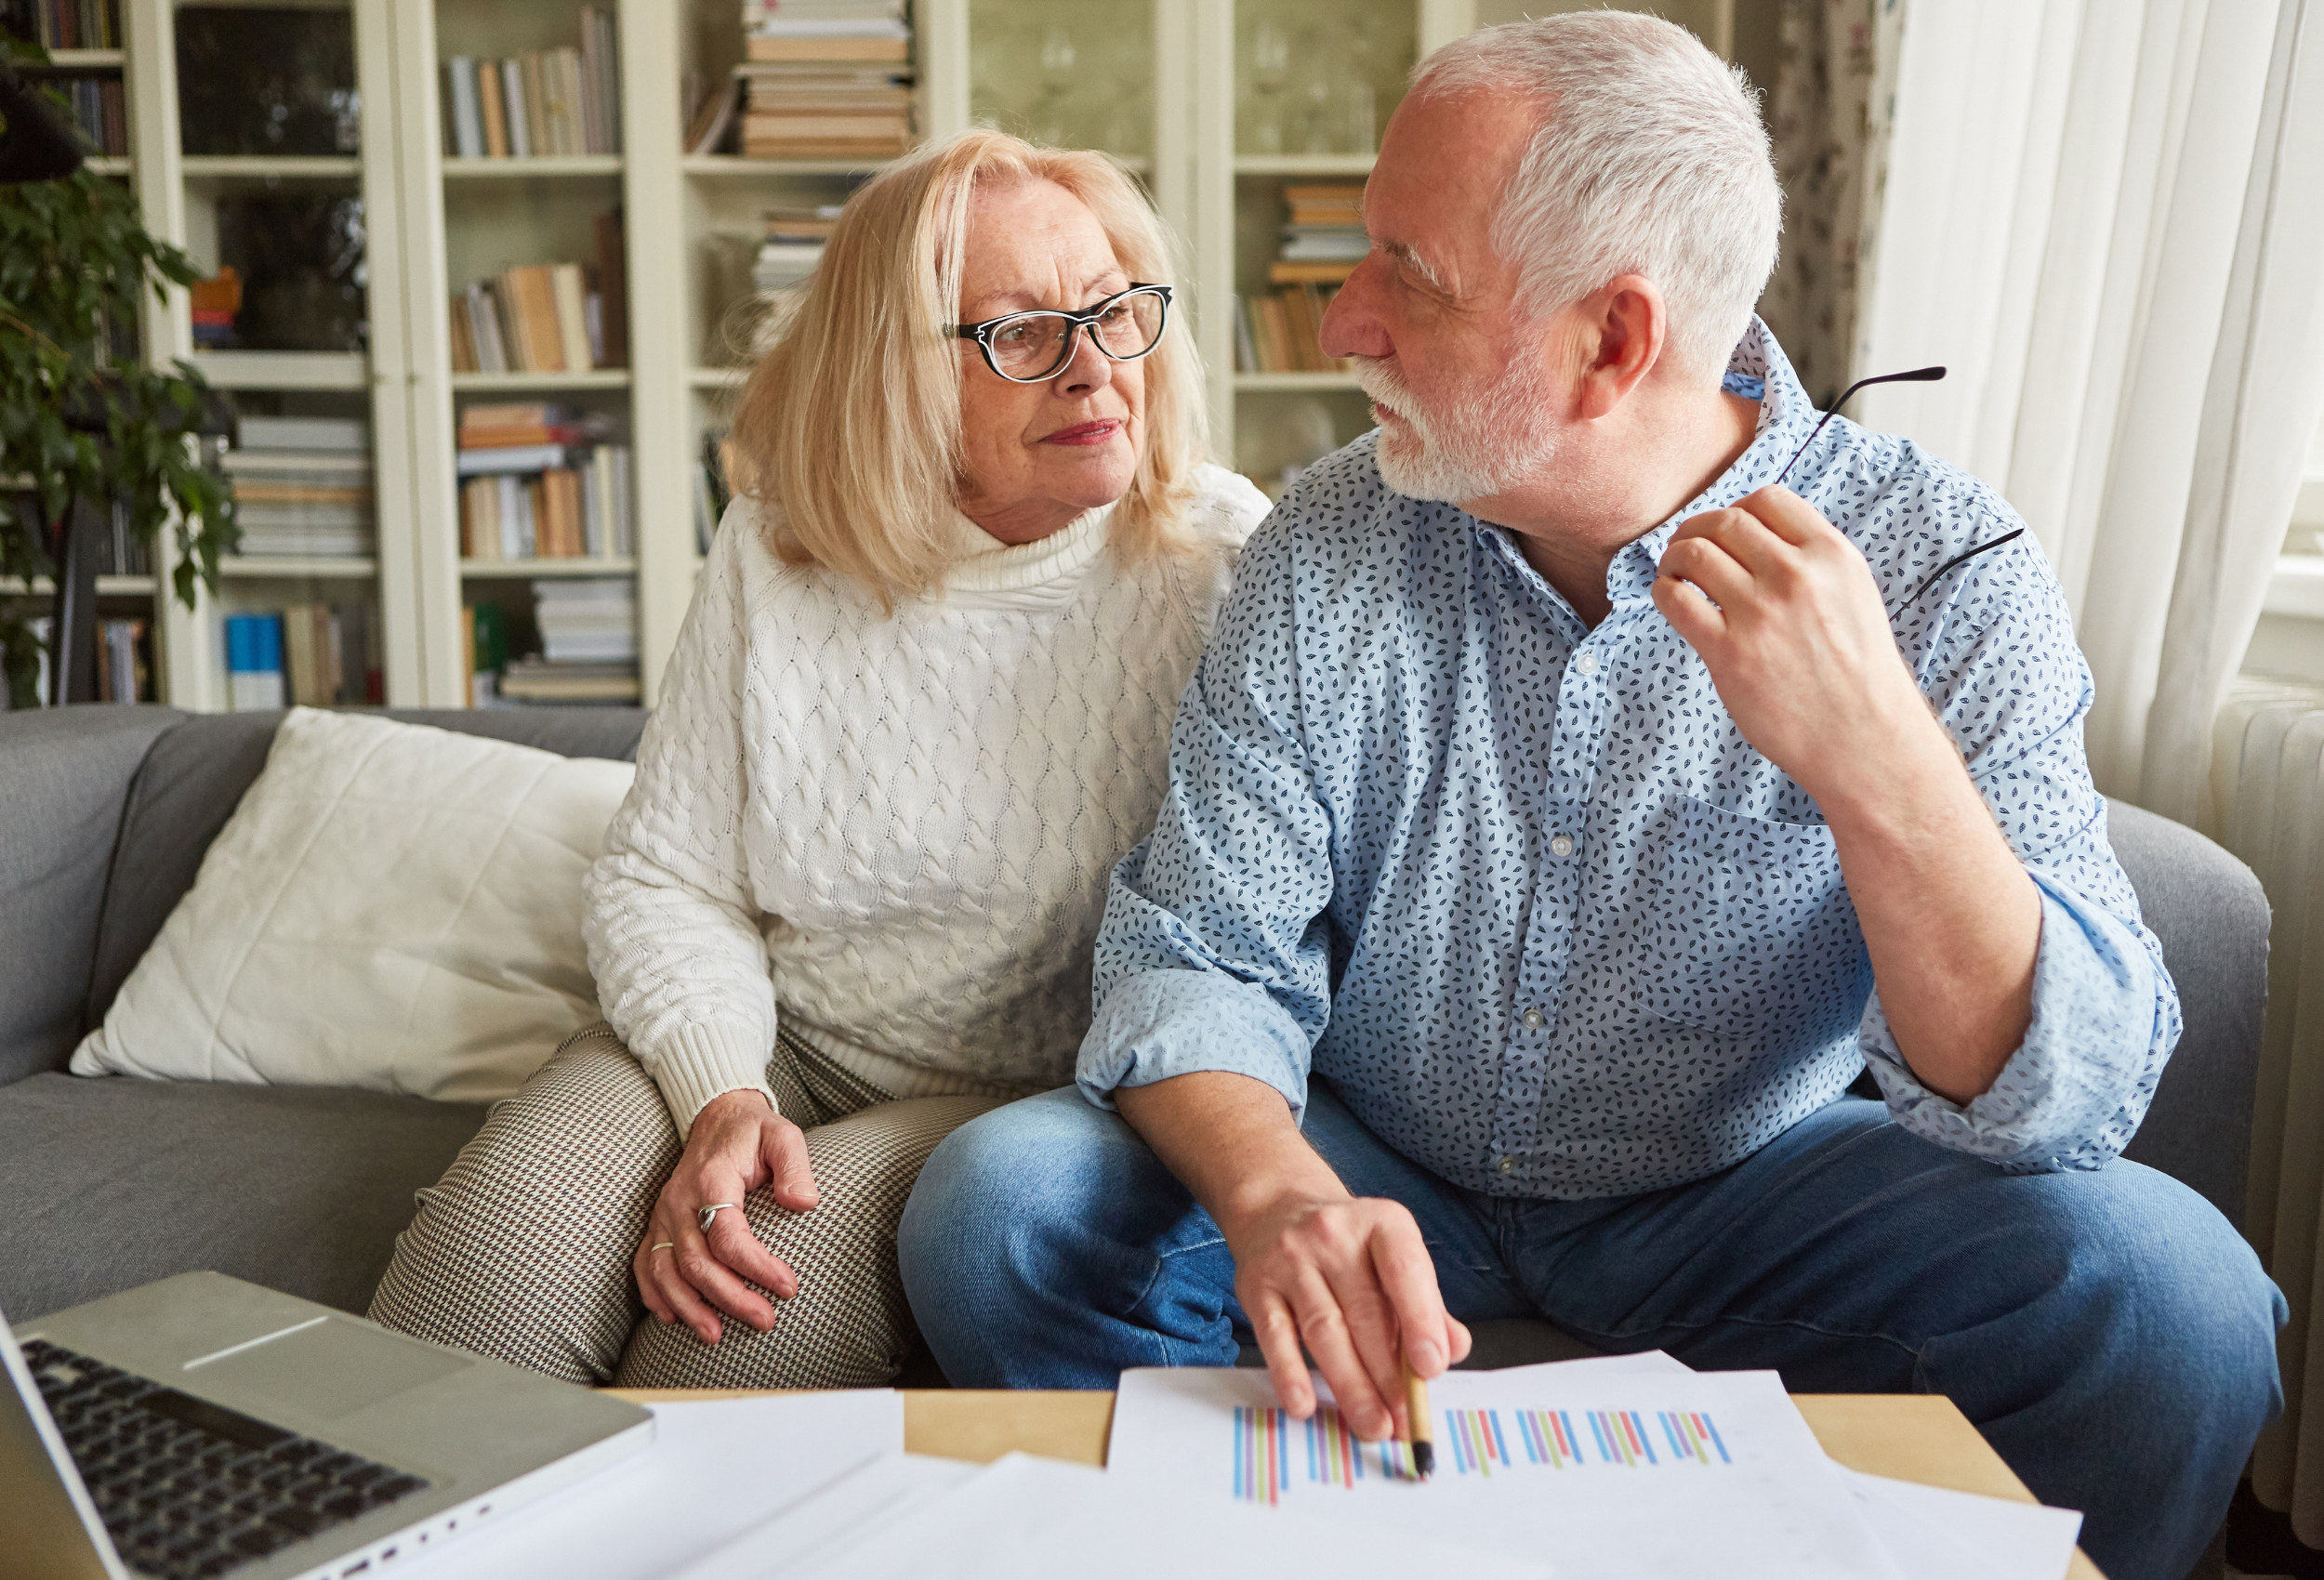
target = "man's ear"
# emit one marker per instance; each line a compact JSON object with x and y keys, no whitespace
{"x":1624,"y":324}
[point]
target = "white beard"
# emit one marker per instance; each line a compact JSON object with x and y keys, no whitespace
{"x":1488,"y":443}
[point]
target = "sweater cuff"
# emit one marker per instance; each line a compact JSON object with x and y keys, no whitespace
{"x":702,"y":1063}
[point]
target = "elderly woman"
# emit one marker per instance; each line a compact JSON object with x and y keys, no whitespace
{"x":920,"y":706}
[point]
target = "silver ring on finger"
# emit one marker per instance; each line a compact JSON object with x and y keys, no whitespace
{"x":712,"y":1211}
{"x":664,"y":1245}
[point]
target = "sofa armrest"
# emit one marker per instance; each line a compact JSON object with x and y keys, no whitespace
{"x":65,"y":776}
{"x":2208,"y":910}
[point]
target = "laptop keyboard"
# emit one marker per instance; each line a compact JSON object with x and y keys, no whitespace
{"x":190,"y":1489}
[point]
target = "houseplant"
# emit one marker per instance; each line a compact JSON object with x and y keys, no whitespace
{"x":78,"y":416}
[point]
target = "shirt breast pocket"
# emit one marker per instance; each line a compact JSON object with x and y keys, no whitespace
{"x":1751,"y":933}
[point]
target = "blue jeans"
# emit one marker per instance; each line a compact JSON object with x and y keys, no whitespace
{"x":2109,"y":1333}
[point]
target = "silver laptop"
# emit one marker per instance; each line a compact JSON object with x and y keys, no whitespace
{"x":203,"y":1427}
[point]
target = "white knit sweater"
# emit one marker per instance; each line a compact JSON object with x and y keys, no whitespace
{"x":897,"y":828}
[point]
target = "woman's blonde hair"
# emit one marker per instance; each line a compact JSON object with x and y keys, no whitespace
{"x":850,"y":428}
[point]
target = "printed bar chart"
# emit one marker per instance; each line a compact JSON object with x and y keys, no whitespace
{"x":1275,"y":1453}
{"x":1626,"y":1438}
{"x":1275,"y":1449}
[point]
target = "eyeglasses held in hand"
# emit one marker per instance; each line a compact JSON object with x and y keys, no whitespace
{"x":1026,"y":347}
{"x":1917,"y":375}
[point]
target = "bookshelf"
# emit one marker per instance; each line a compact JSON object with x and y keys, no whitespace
{"x":95,"y":82}
{"x":1164,"y":85}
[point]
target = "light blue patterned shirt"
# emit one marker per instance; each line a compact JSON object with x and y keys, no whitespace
{"x":1519,"y":891}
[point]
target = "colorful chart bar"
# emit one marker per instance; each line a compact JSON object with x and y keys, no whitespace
{"x":1271,"y":1446}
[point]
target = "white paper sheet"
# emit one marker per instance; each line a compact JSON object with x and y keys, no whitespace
{"x":1607,"y":1472}
{"x":874,"y":1494}
{"x":1937,"y":1533}
{"x":716,"y":1468}
{"x":1027,"y":1519}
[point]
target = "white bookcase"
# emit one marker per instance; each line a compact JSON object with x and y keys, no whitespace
{"x":1157,"y":79}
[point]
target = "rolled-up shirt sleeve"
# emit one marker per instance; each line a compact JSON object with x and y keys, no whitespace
{"x":1213,"y":953}
{"x":2010,"y":684}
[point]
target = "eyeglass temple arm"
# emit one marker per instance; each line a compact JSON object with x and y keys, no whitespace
{"x":1918,"y":375}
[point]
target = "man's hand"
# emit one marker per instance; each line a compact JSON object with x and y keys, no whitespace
{"x":1351,"y":1280}
{"x":1799,"y":645}
{"x":1789,"y":620}
{"x":737,"y":1143}
{"x":1349,"y":1276}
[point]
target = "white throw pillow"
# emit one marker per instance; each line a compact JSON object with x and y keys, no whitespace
{"x":392,"y":906}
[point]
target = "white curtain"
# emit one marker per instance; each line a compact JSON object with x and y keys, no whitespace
{"x":2106,"y":217}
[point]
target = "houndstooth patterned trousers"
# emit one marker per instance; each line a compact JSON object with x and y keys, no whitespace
{"x":521,"y":1251}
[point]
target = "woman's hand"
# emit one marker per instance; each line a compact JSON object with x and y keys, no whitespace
{"x":738,"y":1144}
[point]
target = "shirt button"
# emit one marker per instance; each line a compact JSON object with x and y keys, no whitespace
{"x":1561,"y":846}
{"x":1507,"y":1164}
{"x":1533,"y":1019}
{"x":1587,"y":664}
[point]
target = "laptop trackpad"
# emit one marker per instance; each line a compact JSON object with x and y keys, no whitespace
{"x":330,"y":1369}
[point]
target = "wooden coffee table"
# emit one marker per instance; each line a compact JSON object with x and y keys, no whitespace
{"x":1911,"y":1436}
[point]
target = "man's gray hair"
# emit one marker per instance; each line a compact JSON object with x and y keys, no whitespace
{"x":1649,"y":158}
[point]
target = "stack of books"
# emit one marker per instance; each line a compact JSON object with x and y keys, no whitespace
{"x":543,"y":104}
{"x":308,"y":655}
{"x":789,"y":252}
{"x":1323,"y":241}
{"x":302,"y":487}
{"x":546,"y":317}
{"x":76,"y":24}
{"x":589,"y":645}
{"x":542,"y":482}
{"x":825,"y":79}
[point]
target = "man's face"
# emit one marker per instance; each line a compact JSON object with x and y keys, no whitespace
{"x":1459,"y":378}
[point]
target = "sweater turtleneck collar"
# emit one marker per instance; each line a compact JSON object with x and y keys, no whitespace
{"x":1045,"y":574}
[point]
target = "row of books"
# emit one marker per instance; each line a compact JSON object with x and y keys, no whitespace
{"x":541,"y":104}
{"x":124,"y":661}
{"x":121,"y":552}
{"x":546,"y":317}
{"x":1280,"y":332}
{"x":76,"y":24}
{"x":573,"y":512}
{"x":588,"y":653}
{"x":308,"y":654}
{"x":303,"y":487}
{"x":100,"y":111}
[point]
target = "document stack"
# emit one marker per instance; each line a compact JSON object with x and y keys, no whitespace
{"x":302,"y":487}
{"x":1323,"y":241}
{"x":826,"y":79}
{"x":589,"y":645}
{"x":543,"y":104}
{"x":543,"y":482}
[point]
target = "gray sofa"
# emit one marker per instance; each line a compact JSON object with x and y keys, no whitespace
{"x":105,"y":813}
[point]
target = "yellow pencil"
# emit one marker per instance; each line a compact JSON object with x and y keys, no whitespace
{"x":1421,"y":1438}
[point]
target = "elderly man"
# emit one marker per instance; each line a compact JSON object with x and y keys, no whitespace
{"x":1565,"y":813}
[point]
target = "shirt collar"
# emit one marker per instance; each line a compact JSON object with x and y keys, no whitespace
{"x":1786,"y":416}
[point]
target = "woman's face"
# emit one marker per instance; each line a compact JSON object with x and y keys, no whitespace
{"x":1041,"y":455}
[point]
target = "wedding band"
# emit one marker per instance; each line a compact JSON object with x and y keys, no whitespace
{"x":664,"y":1245}
{"x":712,"y":1211}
